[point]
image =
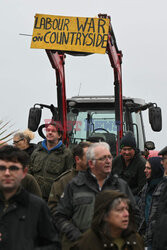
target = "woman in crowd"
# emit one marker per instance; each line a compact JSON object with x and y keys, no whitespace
{"x":22,"y":141}
{"x":112,"y":226}
{"x":149,"y":198}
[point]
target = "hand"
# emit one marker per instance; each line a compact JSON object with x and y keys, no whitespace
{"x":72,"y":232}
{"x":73,"y":235}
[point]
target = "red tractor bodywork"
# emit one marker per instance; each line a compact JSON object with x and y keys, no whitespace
{"x":57,"y":59}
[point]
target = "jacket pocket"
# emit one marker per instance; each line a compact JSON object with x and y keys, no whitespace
{"x":83,"y":200}
{"x":84,"y":207}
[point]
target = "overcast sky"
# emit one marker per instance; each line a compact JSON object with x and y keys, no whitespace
{"x":26,"y":76}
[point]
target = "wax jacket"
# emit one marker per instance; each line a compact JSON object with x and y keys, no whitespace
{"x":46,"y":165}
{"x":91,"y":241}
{"x":75,"y":210}
{"x":58,"y":188}
{"x":30,"y":184}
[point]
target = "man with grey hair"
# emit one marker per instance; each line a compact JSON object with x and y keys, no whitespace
{"x":74,"y":212}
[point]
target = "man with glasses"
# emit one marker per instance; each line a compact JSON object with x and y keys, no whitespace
{"x":75,"y":210}
{"x":130,"y":165}
{"x":25,"y":221}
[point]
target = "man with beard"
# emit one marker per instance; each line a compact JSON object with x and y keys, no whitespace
{"x":130,"y":165}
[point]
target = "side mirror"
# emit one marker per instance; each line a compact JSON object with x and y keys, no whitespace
{"x":34,"y":118}
{"x":155,"y":118}
{"x":149,"y":145}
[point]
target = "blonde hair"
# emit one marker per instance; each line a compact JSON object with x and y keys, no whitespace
{"x":26,"y":134}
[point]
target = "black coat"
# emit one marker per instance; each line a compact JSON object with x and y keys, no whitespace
{"x":133,"y":174}
{"x":30,"y":149}
{"x":159,"y":232}
{"x":25,"y":223}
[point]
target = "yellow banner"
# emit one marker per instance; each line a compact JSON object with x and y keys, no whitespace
{"x":70,"y":33}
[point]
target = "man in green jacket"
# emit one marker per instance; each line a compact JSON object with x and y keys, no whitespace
{"x":80,"y":164}
{"x":50,"y":159}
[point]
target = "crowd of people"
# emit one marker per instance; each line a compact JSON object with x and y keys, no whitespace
{"x":56,"y":198}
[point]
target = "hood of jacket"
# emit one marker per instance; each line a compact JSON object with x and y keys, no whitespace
{"x":40,"y":147}
{"x":102,"y":203}
{"x":157,"y":170}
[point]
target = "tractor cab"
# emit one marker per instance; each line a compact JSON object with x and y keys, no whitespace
{"x":92,"y":118}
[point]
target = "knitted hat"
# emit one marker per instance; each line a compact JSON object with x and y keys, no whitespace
{"x":128,"y":140}
{"x":157,"y":170}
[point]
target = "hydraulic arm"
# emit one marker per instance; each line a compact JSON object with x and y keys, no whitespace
{"x":57,"y":59}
